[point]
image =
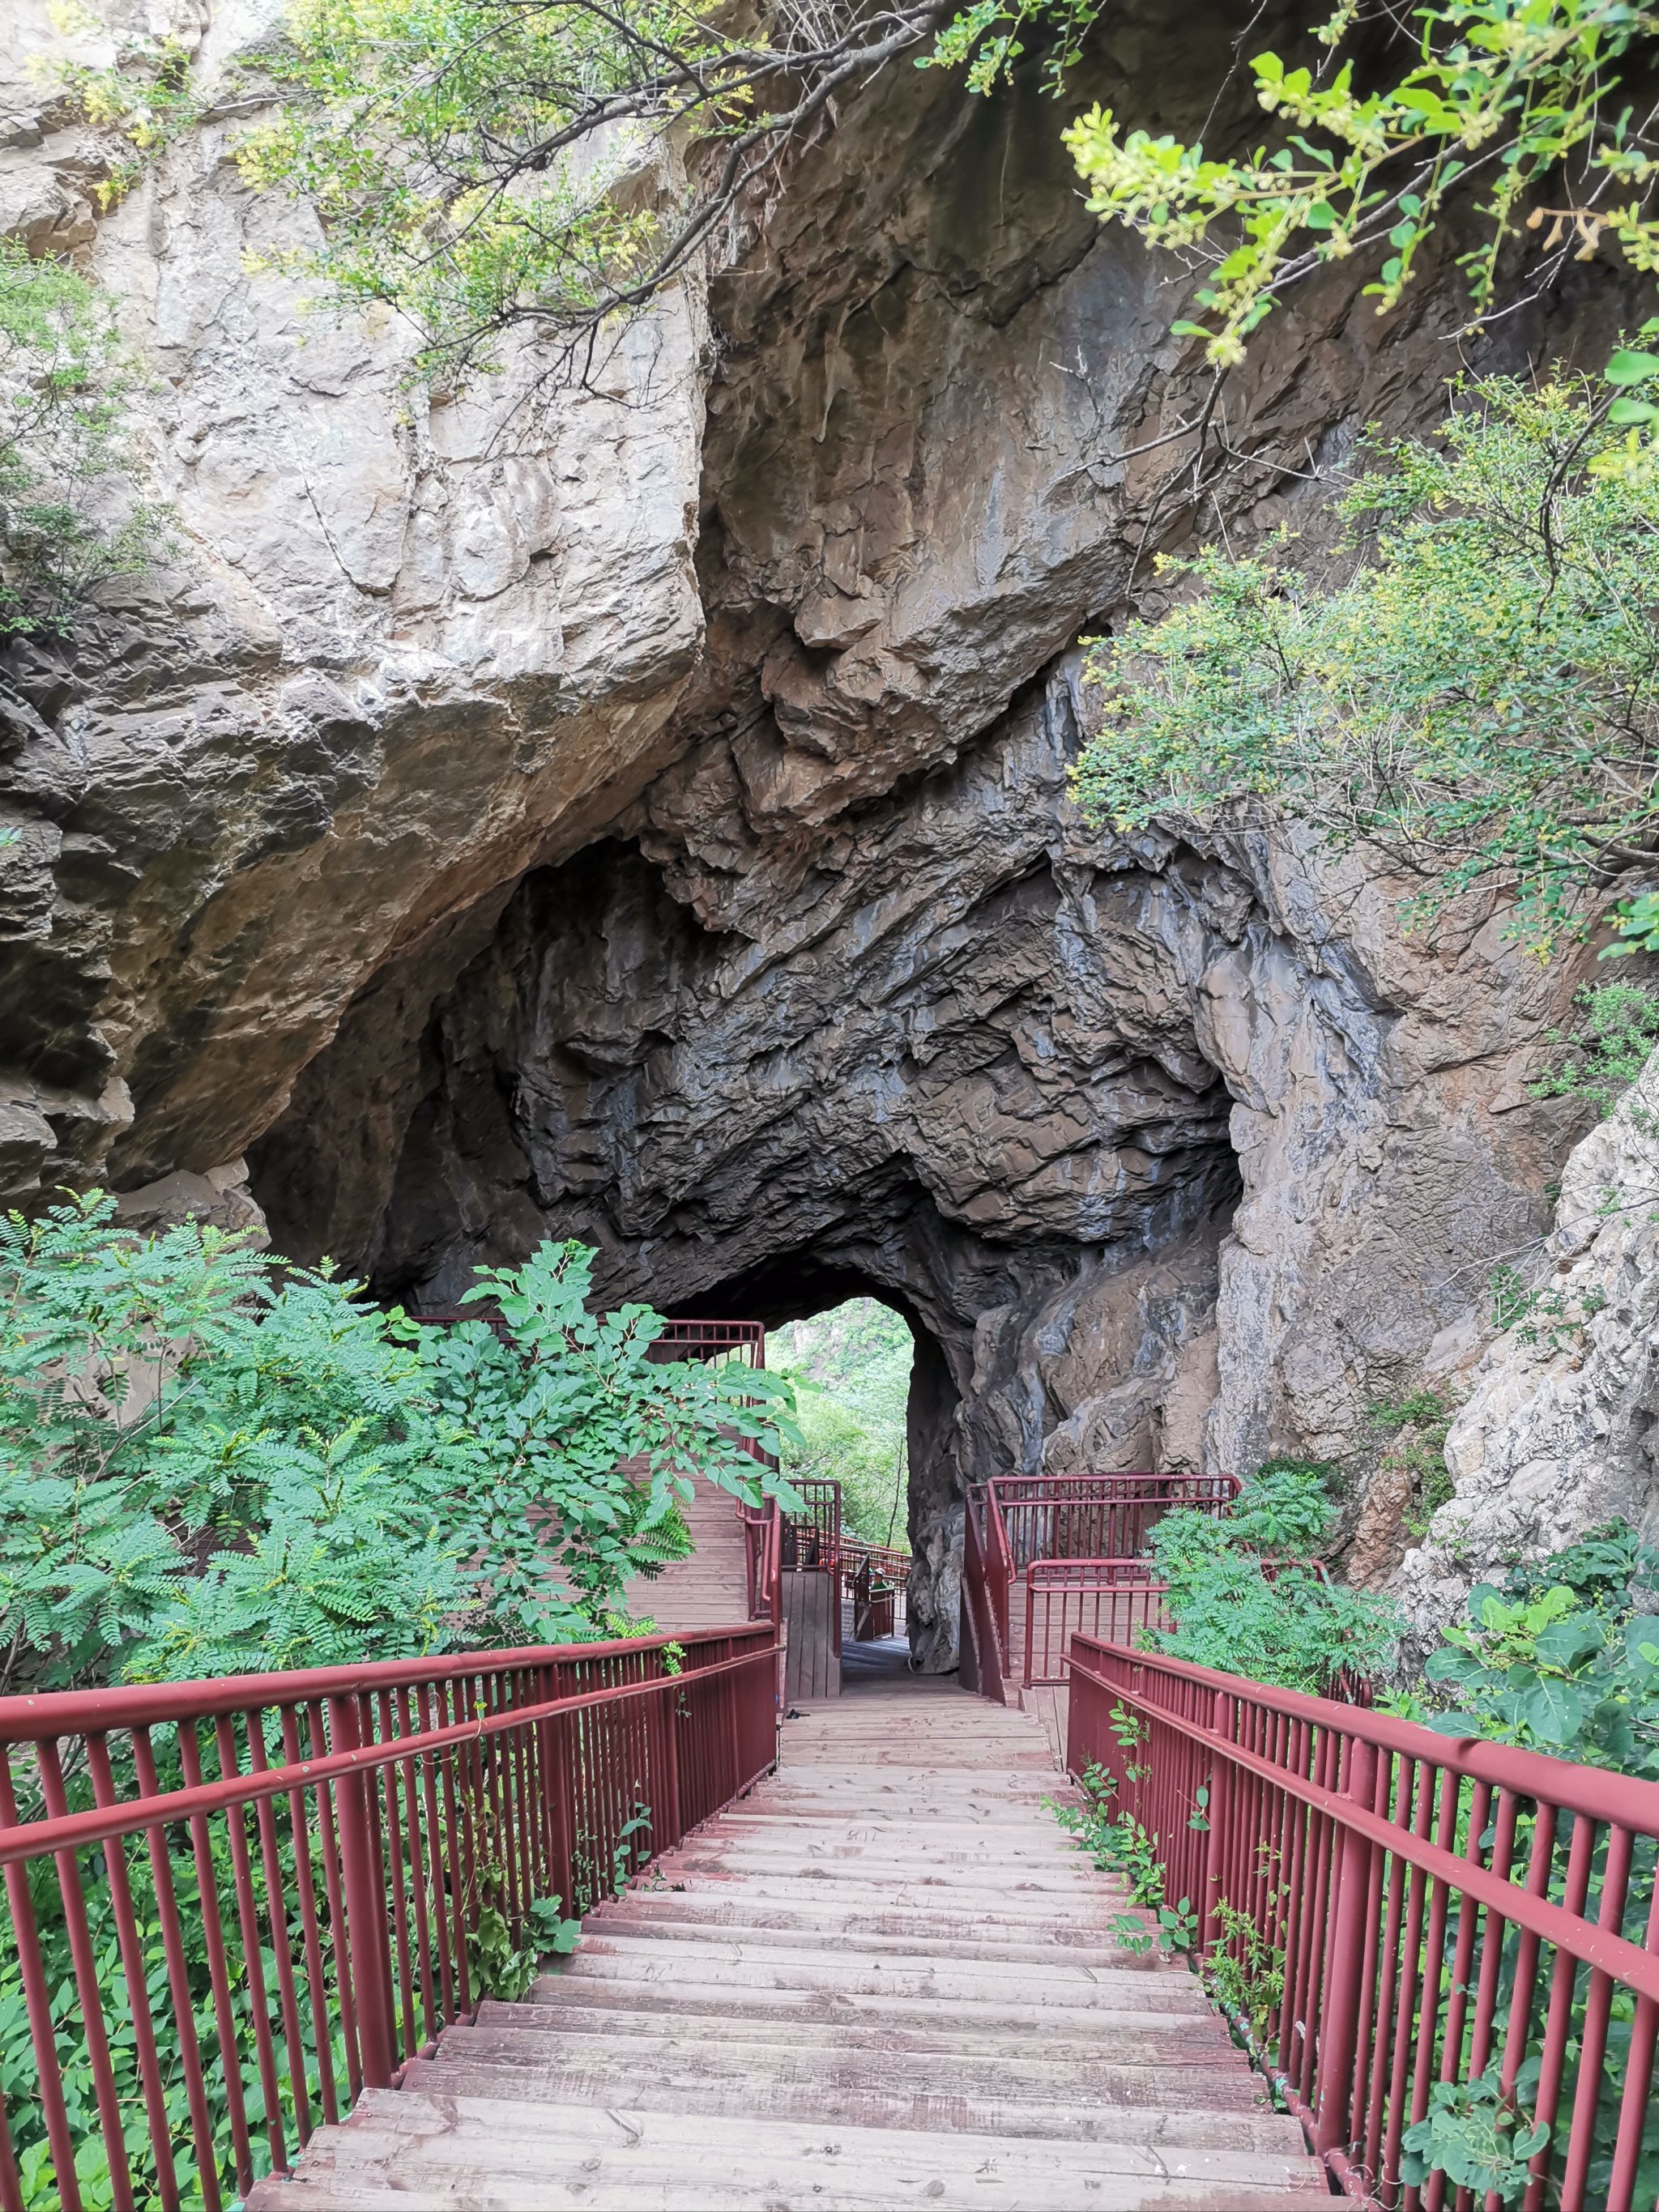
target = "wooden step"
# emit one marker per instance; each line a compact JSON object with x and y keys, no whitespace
{"x":479,"y":2154}
{"x":845,"y":2096}
{"x":886,"y":1978}
{"x":1136,"y":2038}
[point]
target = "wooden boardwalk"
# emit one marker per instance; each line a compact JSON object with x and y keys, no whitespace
{"x":881,"y":1979}
{"x":709,"y":1588}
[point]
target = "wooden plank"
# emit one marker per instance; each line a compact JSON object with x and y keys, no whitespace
{"x":813,"y":1669}
{"x":884,"y":1978}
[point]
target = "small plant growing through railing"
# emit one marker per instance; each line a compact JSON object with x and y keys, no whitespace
{"x":498,"y":1963}
{"x":628,"y":1854}
{"x":1472,"y":2133}
{"x":1243,"y":1973}
{"x":500,"y":1967}
{"x":1130,"y":1734}
{"x":1121,"y":1845}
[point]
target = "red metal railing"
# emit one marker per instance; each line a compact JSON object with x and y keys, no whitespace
{"x":1114,"y":1600}
{"x":886,"y":1562}
{"x":811,"y":1536}
{"x":680,"y":1339}
{"x":873,"y":1579}
{"x":762,"y":1543}
{"x":984,"y":1636}
{"x":713,"y":1339}
{"x":1432,"y":1908}
{"x":1096,"y":1516}
{"x":1014,"y":1521}
{"x":234,"y":1903}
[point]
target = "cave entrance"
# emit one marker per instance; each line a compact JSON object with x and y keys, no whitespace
{"x":851,"y":1366}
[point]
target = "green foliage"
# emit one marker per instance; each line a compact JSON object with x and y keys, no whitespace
{"x":500,"y":1967}
{"x":146,"y":102}
{"x":1243,"y":1973}
{"x":480,"y":166}
{"x":1417,"y":1423}
{"x":1283,"y":1511}
{"x":1480,"y":697}
{"x":1609,"y":1567}
{"x":1237,"y":1612}
{"x":850,"y":1368}
{"x":67,"y":518}
{"x":1571,"y":1672}
{"x":1612,"y":1036}
{"x":1469,"y":2134}
{"x":1538,"y":1312}
{"x":209,"y":1465}
{"x":1638,"y":926}
{"x":1494,"y":100}
{"x":1119,"y":1845}
{"x":988,"y":38}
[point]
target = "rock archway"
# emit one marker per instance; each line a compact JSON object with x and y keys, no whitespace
{"x":958,"y":1070}
{"x":650,"y":825}
{"x":1163,"y":1165}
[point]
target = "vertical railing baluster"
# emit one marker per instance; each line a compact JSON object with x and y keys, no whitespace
{"x":37,"y":2002}
{"x":310,"y":1931}
{"x":367,"y":1956}
{"x":281,"y":1951}
{"x":248,"y":1921}
{"x":133,"y":1972}
{"x":85,"y":1968}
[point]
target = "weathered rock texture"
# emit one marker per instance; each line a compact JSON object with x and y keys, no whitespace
{"x":1557,"y":1431}
{"x":401,"y":644}
{"x":643,"y":816}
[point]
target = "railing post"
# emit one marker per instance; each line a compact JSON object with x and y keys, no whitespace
{"x":671,"y":1716}
{"x":1339,"y":2026}
{"x":370,"y":1953}
{"x":1220,"y":1806}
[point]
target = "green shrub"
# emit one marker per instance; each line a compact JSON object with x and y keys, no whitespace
{"x":1478,"y":696}
{"x":1562,"y":1657}
{"x":68,"y":519}
{"x":1241,"y":1604}
{"x":210,"y":1464}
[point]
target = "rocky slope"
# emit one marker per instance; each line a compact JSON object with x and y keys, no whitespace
{"x":1556,"y":1432}
{"x":641,"y":815}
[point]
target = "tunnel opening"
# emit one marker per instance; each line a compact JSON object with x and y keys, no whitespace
{"x":963,"y":1072}
{"x":880,"y":1381}
{"x":850,"y":1365}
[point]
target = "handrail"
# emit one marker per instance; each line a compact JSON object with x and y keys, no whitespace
{"x":811,"y":1534}
{"x":1429,"y":1908}
{"x":1115,"y":1599}
{"x":692,"y":1338}
{"x":884,"y":1559}
{"x":762,"y":1535}
{"x":998,"y":1569}
{"x":1015,"y":1521}
{"x":1096,"y":1516}
{"x":323,"y":1867}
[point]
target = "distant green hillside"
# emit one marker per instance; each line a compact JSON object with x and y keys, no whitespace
{"x":851,"y":1368}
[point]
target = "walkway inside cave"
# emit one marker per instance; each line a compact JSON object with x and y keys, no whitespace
{"x":884,"y":1976}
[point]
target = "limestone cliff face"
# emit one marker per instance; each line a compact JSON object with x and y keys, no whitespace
{"x":401,"y":643}
{"x":1556,"y":1431}
{"x":641,"y":815}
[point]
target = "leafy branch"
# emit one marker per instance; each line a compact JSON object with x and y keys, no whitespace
{"x":1500,"y":103}
{"x":1477,"y":699}
{"x":485,"y":166}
